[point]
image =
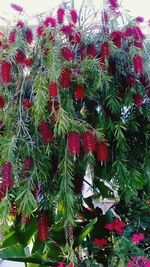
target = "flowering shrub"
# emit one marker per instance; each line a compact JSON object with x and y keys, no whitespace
{"x":74,"y":113}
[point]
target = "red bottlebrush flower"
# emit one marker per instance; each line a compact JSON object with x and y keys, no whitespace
{"x":7,"y":181}
{"x":28,"y":163}
{"x":74,"y":16}
{"x":109,"y":227}
{"x":116,"y":37}
{"x":102,"y":151}
{"x":27,"y":103}
{"x":54,"y":108}
{"x":138,"y":63}
{"x":49,"y":21}
{"x":20,"y":57}
{"x":67,"y":29}
{"x":27,"y":62}
{"x":67,"y":54}
{"x":53,"y":89}
{"x":29,"y":35}
{"x":2,"y":102}
{"x":100,"y":242}
{"x":131,"y":80}
{"x":79,"y":92}
{"x":139,"y":44}
{"x":105,"y":51}
{"x":75,"y":38}
{"x":74,"y":143}
{"x":6,"y":72}
{"x":40,"y":31}
{"x":47,"y":134}
{"x":12,"y":37}
{"x":14,"y":209}
{"x":113,"y":4}
{"x":42,"y":226}
{"x":91,"y":50}
{"x":65,"y":77}
{"x":20,"y":24}
{"x":139,"y":19}
{"x":60,"y":15}
{"x":118,"y":226}
{"x":16,"y":7}
{"x":89,"y":141}
{"x":138,"y":100}
{"x":134,"y":32}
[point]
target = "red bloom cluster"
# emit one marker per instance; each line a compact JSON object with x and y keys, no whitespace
{"x":20,"y":24}
{"x":100,"y":242}
{"x":139,"y":19}
{"x":7,"y":173}
{"x":138,"y":100}
{"x":74,"y":16}
{"x":136,"y":238}
{"x":67,"y":54}
{"x":40,"y":31}
{"x":29,"y":35}
{"x":53,"y":89}
{"x":102,"y":151}
{"x":27,"y":62}
{"x":2,"y":102}
{"x":20,"y":57}
{"x":79,"y":92}
{"x":89,"y":141}
{"x":65,"y":77}
{"x":74,"y":143}
{"x":91,"y":51}
{"x":134,"y":32}
{"x":6,"y":72}
{"x":105,"y":51}
{"x":117,"y":225}
{"x":42,"y":226}
{"x":46,"y":132}
{"x":12,"y":36}
{"x":113,"y":4}
{"x":138,"y":63}
{"x":28,"y":163}
{"x":49,"y":21}
{"x":67,"y":29}
{"x":116,"y":37}
{"x":60,"y":15}
{"x":27,"y":103}
{"x":75,"y":38}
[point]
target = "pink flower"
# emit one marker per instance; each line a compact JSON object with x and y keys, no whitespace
{"x":138,"y":63}
{"x":129,"y":264}
{"x":60,"y":264}
{"x":20,"y":24}
{"x":49,"y":21}
{"x":16,"y":7}
{"x":136,"y":238}
{"x":74,"y":16}
{"x":139,"y":19}
{"x":67,"y":54}
{"x":67,"y":29}
{"x":60,"y":15}
{"x":113,"y":4}
{"x":40,"y":31}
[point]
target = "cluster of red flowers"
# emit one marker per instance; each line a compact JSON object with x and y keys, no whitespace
{"x":100,"y":242}
{"x":27,"y":166}
{"x":65,"y":77}
{"x":136,"y":238}
{"x":27,"y":103}
{"x":117,"y":225}
{"x":46,"y":132}
{"x":74,"y":143}
{"x":138,"y":261}
{"x":6,"y":72}
{"x":42,"y":226}
{"x":2,"y":102}
{"x":79,"y":92}
{"x":53,"y":89}
{"x":7,"y":172}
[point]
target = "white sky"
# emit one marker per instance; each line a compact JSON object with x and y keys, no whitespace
{"x":136,"y":7}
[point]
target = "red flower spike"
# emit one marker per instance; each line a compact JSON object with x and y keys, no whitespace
{"x":40,"y":31}
{"x":138,"y":63}
{"x":67,"y":29}
{"x":27,"y":103}
{"x":46,"y":132}
{"x":74,"y":16}
{"x":75,"y":38}
{"x":138,"y":100}
{"x":2,"y":102}
{"x":20,"y":24}
{"x":74,"y":143}
{"x":7,"y":181}
{"x":6,"y":72}
{"x":139,"y":19}
{"x":102,"y":151}
{"x":29,"y":35}
{"x":42,"y":226}
{"x":20,"y":57}
{"x":100,"y":242}
{"x":16,"y":7}
{"x":116,"y":37}
{"x":109,"y":227}
{"x":60,"y":15}
{"x":118,"y":226}
{"x":49,"y":21}
{"x":28,"y":163}
{"x":91,"y":51}
{"x":89,"y":141}
{"x":12,"y":37}
{"x":79,"y":92}
{"x":67,"y":54}
{"x":27,"y":62}
{"x":53,"y":89}
{"x":65,"y":77}
{"x":105,"y":51}
{"x":113,"y":4}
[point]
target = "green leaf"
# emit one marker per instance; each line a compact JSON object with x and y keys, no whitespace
{"x":88,"y":228}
